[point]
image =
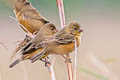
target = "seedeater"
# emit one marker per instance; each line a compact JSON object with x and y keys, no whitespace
{"x":35,"y":45}
{"x":62,"y":43}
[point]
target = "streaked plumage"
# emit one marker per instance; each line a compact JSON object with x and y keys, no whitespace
{"x":62,"y":43}
{"x":35,"y":45}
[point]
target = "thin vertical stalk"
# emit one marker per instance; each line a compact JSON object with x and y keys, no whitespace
{"x":4,"y":46}
{"x":24,"y":71}
{"x":62,"y":21}
{"x":1,"y":76}
{"x":51,"y":70}
{"x":61,"y":12}
{"x":75,"y":63}
{"x":50,"y":67}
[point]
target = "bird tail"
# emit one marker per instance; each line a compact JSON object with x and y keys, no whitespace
{"x":16,"y":62}
{"x":39,"y":55}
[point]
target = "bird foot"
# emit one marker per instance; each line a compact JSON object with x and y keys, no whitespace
{"x":68,"y":60}
{"x":27,"y":38}
{"x":47,"y":64}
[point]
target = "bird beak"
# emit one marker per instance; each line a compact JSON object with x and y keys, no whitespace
{"x":56,"y":30}
{"x":80,"y":30}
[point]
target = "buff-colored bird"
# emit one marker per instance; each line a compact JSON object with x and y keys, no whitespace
{"x":62,"y":43}
{"x":35,"y":45}
{"x":29,"y":19}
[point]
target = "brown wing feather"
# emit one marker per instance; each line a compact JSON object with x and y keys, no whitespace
{"x":28,"y":16}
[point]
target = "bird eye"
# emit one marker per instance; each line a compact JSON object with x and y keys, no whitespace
{"x":52,"y":28}
{"x":27,"y":3}
{"x":75,"y":28}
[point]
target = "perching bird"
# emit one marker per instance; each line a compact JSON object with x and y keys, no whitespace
{"x":62,"y":43}
{"x":35,"y":45}
{"x":28,"y":17}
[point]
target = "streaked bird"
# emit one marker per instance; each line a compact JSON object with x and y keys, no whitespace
{"x":35,"y":45}
{"x":62,"y":43}
{"x":29,"y":18}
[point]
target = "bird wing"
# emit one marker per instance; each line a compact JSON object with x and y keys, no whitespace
{"x":39,"y":55}
{"x":67,"y":38}
{"x":63,"y":37}
{"x":29,"y":17}
{"x":60,"y":38}
{"x":34,"y":44}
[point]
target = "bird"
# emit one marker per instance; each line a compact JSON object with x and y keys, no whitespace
{"x":62,"y":43}
{"x":29,"y":18}
{"x":35,"y":45}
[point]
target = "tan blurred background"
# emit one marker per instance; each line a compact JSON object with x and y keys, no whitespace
{"x":98,"y":55}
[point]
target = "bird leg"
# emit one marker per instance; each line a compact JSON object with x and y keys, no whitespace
{"x":27,"y":38}
{"x":46,"y":61}
{"x":67,"y":59}
{"x":30,"y":35}
{"x":35,"y":33}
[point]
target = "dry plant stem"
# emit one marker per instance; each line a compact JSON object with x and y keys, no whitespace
{"x":24,"y":71}
{"x":28,"y":33}
{"x":4,"y":45}
{"x":18,"y":47}
{"x":69,"y":68}
{"x":61,"y":12}
{"x":51,"y":71}
{"x":62,"y":21}
{"x":1,"y":76}
{"x":21,"y":42}
{"x":102,"y":67}
{"x":75,"y":62}
{"x":50,"y":67}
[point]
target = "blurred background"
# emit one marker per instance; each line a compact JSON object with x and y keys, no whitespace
{"x":98,"y":55}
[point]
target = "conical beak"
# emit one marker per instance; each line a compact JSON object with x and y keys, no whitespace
{"x":80,"y":30}
{"x":55,"y":31}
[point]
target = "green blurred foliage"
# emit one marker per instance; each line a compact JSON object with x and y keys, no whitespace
{"x":69,"y":4}
{"x":74,"y":9}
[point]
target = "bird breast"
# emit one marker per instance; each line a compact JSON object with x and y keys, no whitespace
{"x":64,"y":48}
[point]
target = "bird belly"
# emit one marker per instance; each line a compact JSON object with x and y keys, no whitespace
{"x":65,"y":48}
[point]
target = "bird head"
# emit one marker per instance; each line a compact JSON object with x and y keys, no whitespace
{"x":75,"y":28}
{"x":20,"y":3}
{"x":48,"y":29}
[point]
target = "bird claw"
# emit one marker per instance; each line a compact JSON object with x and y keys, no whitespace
{"x":27,"y":38}
{"x":68,"y":60}
{"x":47,"y":63}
